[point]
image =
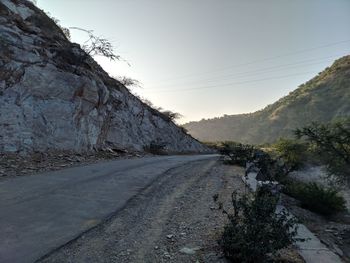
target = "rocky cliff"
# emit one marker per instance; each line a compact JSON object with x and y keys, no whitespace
{"x":54,"y":97}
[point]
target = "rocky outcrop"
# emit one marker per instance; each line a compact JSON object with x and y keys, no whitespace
{"x":54,"y":97}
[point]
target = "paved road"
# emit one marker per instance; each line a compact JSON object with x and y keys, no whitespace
{"x":42,"y":212}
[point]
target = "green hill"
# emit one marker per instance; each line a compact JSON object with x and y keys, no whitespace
{"x":322,"y":99}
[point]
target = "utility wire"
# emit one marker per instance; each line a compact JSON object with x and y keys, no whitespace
{"x":259,"y":60}
{"x":232,"y":83}
{"x":256,"y":72}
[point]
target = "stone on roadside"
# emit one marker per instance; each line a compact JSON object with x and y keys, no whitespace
{"x":189,"y":251}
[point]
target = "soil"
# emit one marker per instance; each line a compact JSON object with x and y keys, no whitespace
{"x":173,"y":220}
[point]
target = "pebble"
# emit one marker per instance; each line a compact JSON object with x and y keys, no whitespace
{"x":189,"y":251}
{"x":167,"y":255}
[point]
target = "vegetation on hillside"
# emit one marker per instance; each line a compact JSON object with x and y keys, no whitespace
{"x":322,"y":99}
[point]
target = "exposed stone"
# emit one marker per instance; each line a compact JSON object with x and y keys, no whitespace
{"x":51,"y":100}
{"x":189,"y":251}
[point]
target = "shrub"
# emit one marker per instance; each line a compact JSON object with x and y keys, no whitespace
{"x":183,"y":129}
{"x":255,"y":231}
{"x":65,"y":30}
{"x":129,"y":82}
{"x":292,"y":152}
{"x":168,"y":115}
{"x":316,"y":198}
{"x":238,"y":153}
{"x":332,"y":143}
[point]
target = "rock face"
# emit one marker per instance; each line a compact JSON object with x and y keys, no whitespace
{"x":54,"y":97}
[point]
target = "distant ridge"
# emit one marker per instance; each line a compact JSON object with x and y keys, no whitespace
{"x":322,"y":99}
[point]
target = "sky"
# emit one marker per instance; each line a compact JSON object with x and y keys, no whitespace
{"x":207,"y":58}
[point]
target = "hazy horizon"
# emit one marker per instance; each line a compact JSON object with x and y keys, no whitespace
{"x":205,"y":59}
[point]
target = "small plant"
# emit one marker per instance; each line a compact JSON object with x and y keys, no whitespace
{"x":156,"y":148}
{"x":65,"y":30}
{"x":255,"y":231}
{"x":168,"y":115}
{"x":129,"y":82}
{"x":316,"y":198}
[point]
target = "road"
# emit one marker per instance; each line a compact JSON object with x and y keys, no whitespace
{"x":41,"y":213}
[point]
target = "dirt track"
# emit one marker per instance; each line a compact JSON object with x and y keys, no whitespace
{"x":174,"y":213}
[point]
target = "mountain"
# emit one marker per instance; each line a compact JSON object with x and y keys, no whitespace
{"x":53,"y":96}
{"x":322,"y":99}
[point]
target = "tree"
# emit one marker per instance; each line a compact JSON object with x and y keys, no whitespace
{"x":97,"y":46}
{"x":332,"y":143}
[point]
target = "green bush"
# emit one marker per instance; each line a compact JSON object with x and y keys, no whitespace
{"x":316,"y":198}
{"x":255,"y":232}
{"x":238,"y":153}
{"x":332,"y":143}
{"x":292,"y":152}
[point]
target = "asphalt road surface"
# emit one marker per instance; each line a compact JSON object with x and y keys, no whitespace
{"x":40,"y":213}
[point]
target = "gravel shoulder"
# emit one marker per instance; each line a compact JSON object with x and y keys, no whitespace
{"x":172,"y":220}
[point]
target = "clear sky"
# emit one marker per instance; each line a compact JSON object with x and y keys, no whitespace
{"x":207,"y":58}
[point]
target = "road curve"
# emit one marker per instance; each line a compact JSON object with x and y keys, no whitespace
{"x":42,"y":212}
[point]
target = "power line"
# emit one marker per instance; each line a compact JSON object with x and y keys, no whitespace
{"x":259,"y":71}
{"x":233,"y":83}
{"x":259,"y":60}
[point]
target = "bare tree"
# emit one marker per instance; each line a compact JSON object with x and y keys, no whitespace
{"x":97,"y":46}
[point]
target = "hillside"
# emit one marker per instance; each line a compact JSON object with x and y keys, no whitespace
{"x":323,"y":98}
{"x":53,"y":96}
